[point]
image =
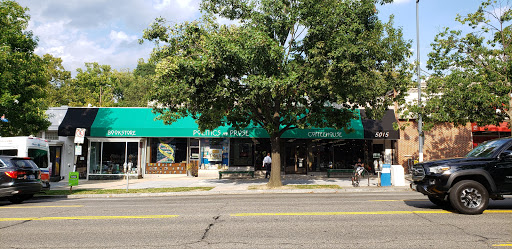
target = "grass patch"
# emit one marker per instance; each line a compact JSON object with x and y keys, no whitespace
{"x":123,"y":191}
{"x":295,"y":186}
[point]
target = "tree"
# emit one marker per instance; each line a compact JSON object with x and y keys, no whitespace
{"x":472,"y":70}
{"x":97,"y":86}
{"x":144,"y":69}
{"x":288,"y":64}
{"x":57,"y":90}
{"x":23,"y":74}
{"x":135,"y":87}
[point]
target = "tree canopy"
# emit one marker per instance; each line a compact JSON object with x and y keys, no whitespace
{"x":23,"y":74}
{"x":472,"y":69}
{"x":97,"y":85}
{"x":285,"y":65}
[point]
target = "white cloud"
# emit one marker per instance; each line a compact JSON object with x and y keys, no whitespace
{"x":401,"y":1}
{"x":227,"y":22}
{"x":121,"y":36}
{"x":100,"y":31}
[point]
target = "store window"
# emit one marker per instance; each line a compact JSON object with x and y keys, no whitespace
{"x":168,"y":150}
{"x":214,"y":153}
{"x":110,"y":158}
{"x":167,"y":156}
{"x":241,"y":152}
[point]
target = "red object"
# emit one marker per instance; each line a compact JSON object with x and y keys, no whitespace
{"x":502,"y":127}
{"x":12,"y":174}
{"x":45,"y":176}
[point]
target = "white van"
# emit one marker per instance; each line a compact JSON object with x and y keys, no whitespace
{"x":33,"y":147}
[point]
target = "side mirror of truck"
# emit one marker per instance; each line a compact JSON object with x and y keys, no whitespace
{"x":506,"y":155}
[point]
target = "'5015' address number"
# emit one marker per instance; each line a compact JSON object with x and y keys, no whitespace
{"x":381,"y":134}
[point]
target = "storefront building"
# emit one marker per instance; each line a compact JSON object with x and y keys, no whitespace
{"x":131,"y":140}
{"x":489,"y":132}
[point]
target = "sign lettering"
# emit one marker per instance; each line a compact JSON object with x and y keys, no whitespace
{"x":73,"y":179}
{"x":121,"y":133}
{"x":381,"y":134}
{"x":323,"y":134}
{"x":219,"y":133}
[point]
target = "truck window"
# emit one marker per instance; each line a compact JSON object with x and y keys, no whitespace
{"x":486,"y":149}
{"x":9,"y":152}
{"x":40,"y":157}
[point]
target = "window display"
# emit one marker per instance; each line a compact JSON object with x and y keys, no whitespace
{"x":241,"y":152}
{"x":168,"y":150}
{"x":168,"y":156}
{"x":110,"y":158}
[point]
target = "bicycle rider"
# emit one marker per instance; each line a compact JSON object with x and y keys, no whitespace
{"x":359,"y":169}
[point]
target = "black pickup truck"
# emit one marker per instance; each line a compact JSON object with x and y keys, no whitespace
{"x":468,"y":183}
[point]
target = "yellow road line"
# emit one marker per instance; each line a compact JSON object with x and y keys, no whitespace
{"x":498,"y":211}
{"x":42,"y":206}
{"x":91,"y":217}
{"x":360,"y":213}
{"x":507,"y":244}
{"x":340,"y":213}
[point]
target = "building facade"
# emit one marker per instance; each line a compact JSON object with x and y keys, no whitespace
{"x":130,"y":140}
{"x":442,"y":141}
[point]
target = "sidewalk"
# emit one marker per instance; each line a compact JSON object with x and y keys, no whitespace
{"x":229,"y":185}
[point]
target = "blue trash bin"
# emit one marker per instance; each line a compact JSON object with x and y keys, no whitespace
{"x":385,"y":177}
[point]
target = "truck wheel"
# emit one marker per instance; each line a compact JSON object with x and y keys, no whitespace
{"x":439,"y":200}
{"x":469,"y":197}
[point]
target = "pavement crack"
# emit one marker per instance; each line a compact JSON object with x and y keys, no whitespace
{"x":481,"y":238}
{"x":210,"y":227}
{"x":425,"y":218}
{"x":17,"y":224}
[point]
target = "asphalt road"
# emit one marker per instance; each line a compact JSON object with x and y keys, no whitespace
{"x":341,"y":220}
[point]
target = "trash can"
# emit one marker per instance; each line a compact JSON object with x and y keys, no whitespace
{"x":397,"y":175}
{"x":385,"y":176}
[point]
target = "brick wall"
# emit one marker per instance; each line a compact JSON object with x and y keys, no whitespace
{"x":442,"y":141}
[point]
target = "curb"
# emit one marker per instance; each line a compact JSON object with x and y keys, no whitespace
{"x":237,"y":192}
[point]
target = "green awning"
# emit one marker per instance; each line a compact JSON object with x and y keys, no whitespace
{"x":141,"y":122}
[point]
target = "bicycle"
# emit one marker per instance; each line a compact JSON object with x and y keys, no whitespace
{"x":358,"y":172}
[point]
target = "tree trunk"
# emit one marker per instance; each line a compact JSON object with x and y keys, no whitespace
{"x":275,"y":173}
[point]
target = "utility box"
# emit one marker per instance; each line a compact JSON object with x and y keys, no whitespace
{"x":385,"y":177}
{"x":397,"y":175}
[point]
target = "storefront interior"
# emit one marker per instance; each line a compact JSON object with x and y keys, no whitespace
{"x":113,"y":158}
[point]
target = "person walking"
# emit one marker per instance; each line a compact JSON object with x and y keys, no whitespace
{"x":267,"y":163}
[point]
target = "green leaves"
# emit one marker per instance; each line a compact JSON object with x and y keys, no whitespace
{"x":23,"y":75}
{"x":471,"y":82}
{"x":286,"y":59}
{"x":288,"y":64}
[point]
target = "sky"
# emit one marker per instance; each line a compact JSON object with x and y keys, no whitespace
{"x":107,"y":31}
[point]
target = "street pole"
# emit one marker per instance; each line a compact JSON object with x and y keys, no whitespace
{"x":420,"y":121}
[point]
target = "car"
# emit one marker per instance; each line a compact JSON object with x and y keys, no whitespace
{"x":467,"y":183}
{"x":20,"y":178}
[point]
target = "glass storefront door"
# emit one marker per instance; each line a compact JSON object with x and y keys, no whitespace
{"x":55,"y":159}
{"x":296,"y":157}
